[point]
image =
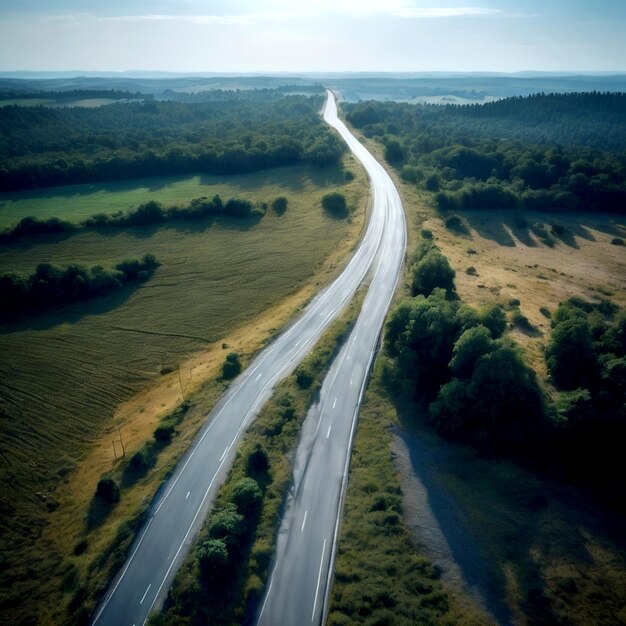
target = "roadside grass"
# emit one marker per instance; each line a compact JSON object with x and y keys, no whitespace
{"x":71,"y":377}
{"x":381,"y":575}
{"x":275,"y":432}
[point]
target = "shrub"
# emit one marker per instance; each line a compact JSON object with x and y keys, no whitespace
{"x":107,"y":491}
{"x":280,"y":205}
{"x":164,"y":433}
{"x":247,"y":496}
{"x":394,"y":151}
{"x":335,"y":203}
{"x":258,"y":461}
{"x":493,"y":318}
{"x":618,"y":241}
{"x":213,"y":561}
{"x":426,"y":234}
{"x":545,"y":312}
{"x":456,"y":225}
{"x":231,"y":366}
{"x":304,"y":376}
{"x":348,"y":175}
{"x":471,"y":271}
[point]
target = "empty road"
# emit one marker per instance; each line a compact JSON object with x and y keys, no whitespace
{"x":302,"y":574}
{"x":176,"y":516}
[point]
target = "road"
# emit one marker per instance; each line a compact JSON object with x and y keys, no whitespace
{"x":300,"y":582}
{"x":177,"y":515}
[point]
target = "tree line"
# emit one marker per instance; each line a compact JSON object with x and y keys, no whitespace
{"x":51,"y":286}
{"x":556,"y":152}
{"x":146,"y":214}
{"x":41,"y":146}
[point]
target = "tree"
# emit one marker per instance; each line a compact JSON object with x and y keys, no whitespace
{"x":335,"y":203}
{"x":570,"y":355}
{"x":471,"y":345}
{"x":247,"y":496}
{"x":280,"y":205}
{"x":432,"y":271}
{"x":394,"y":151}
{"x":107,"y":491}
{"x":231,"y":366}
{"x":213,"y":561}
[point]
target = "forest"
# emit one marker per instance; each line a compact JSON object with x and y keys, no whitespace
{"x":41,"y":147}
{"x":554,"y":152}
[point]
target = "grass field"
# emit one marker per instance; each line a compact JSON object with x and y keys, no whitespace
{"x":63,"y":376}
{"x":77,"y":202}
{"x":513,"y":263}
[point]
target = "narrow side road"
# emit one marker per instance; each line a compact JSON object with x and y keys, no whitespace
{"x":176,"y":517}
{"x":301,"y":578}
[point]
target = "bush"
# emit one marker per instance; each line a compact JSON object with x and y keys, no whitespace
{"x":456,"y":225}
{"x":280,"y":205}
{"x":394,"y":151}
{"x":348,"y":175}
{"x":164,"y":433}
{"x":258,"y":461}
{"x":247,"y":496}
{"x":304,"y":376}
{"x":493,"y":318}
{"x":617,"y":241}
{"x":108,"y":491}
{"x":426,"y":234}
{"x":432,"y":271}
{"x":471,"y":271}
{"x":335,"y":203}
{"x":231,"y":366}
{"x":213,"y":561}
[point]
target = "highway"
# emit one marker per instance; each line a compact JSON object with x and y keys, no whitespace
{"x":301,"y":577}
{"x":176,"y":516}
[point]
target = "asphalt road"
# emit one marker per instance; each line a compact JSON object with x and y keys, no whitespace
{"x":300,"y":582}
{"x":176,"y":516}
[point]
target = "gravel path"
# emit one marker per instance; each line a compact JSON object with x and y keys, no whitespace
{"x":438,"y":524}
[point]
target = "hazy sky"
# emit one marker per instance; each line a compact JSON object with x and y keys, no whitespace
{"x":315,"y":35}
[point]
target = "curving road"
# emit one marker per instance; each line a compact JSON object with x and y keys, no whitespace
{"x":176,"y":517}
{"x":300,"y":582}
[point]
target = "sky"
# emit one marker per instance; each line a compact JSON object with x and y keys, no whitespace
{"x":244,"y":36}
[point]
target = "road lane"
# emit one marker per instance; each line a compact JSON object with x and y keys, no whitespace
{"x":175,"y":518}
{"x":301,"y":577}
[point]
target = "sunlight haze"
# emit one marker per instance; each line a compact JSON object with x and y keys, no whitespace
{"x":324,"y":35}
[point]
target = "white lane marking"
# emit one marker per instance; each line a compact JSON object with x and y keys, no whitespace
{"x":304,"y":520}
{"x":335,"y":403}
{"x":223,"y":455}
{"x":319,"y":579}
{"x":146,"y":593}
{"x":259,"y":376}
{"x":299,"y":342}
{"x":364,"y":324}
{"x":187,"y":495}
{"x":354,"y":338}
{"x":348,"y":358}
{"x":350,"y":381}
{"x":328,"y":433}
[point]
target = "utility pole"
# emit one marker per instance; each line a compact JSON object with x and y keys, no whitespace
{"x":119,"y":430}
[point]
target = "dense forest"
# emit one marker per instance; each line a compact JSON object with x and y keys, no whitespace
{"x":42,"y":146}
{"x":542,"y":152}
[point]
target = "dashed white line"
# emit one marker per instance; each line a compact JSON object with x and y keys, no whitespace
{"x":304,"y":520}
{"x":146,"y":593}
{"x":350,"y":382}
{"x":335,"y":403}
{"x":328,"y":433}
{"x":259,"y":376}
{"x":223,"y":455}
{"x":187,"y":495}
{"x":319,"y":578}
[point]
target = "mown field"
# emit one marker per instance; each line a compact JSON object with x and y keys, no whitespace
{"x":63,"y":374}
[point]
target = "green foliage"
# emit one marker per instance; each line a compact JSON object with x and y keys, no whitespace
{"x":164,"y":433}
{"x":394,"y":151}
{"x":471,"y":345}
{"x":279,"y":205}
{"x":247,"y":496}
{"x":242,"y":132}
{"x":618,"y":241}
{"x":335,"y":203}
{"x":212,"y":557}
{"x":570,"y":355}
{"x":457,"y":225}
{"x":431,"y":272}
{"x":107,"y":491}
{"x":494,"y":318}
{"x":52,"y":286}
{"x":231,"y":366}
{"x":533,"y":153}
